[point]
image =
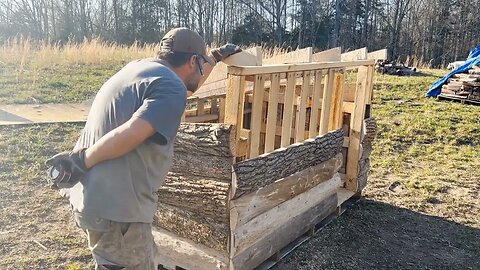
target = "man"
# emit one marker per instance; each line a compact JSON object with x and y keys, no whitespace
{"x":125,"y":150}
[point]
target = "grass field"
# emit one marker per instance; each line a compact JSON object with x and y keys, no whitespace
{"x":421,"y":208}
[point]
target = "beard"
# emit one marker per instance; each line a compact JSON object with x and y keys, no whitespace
{"x":192,"y":81}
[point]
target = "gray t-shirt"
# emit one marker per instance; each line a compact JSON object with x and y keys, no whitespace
{"x":124,"y":189}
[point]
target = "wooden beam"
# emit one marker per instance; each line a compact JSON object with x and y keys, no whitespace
{"x":356,"y":122}
{"x":256,"y":117}
{"x":302,"y":108}
{"x":330,"y":55}
{"x":295,"y":67}
{"x":288,"y":110}
{"x":317,"y":90}
{"x":359,"y":54}
{"x":336,"y":113}
{"x":272,"y":113}
{"x":298,"y":56}
{"x":326,"y":101}
{"x":221,"y":110}
{"x":205,"y":118}
{"x":234,"y":103}
{"x":248,"y":206}
{"x":200,"y":107}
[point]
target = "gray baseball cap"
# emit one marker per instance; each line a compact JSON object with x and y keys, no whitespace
{"x":184,"y":40}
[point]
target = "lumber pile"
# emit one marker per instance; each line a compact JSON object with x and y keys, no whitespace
{"x":464,"y":85}
{"x":390,"y":68}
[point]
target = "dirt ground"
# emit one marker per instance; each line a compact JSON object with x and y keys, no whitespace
{"x":391,"y":228}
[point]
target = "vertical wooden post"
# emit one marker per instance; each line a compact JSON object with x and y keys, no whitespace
{"x":317,"y":88}
{"x":353,"y":156}
{"x":288,"y":109}
{"x":256,"y":119}
{"x":213,"y":105}
{"x":272,"y":113}
{"x":326,"y":102}
{"x":302,"y":108}
{"x":234,"y":104}
{"x":221,"y":110}
{"x":200,"y":106}
{"x":336,"y":113}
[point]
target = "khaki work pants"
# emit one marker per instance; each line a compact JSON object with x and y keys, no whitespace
{"x":118,"y":245}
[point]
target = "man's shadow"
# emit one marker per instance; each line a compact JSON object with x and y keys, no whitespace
{"x":375,"y":235}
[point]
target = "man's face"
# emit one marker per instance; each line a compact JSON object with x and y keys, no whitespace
{"x":193,"y":79}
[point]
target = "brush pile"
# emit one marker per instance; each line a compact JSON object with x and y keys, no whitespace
{"x":390,"y":68}
{"x":464,"y":85}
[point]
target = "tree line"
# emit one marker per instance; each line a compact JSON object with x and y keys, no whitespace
{"x":432,"y":31}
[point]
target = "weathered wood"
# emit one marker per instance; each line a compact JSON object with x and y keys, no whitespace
{"x":327,"y":101}
{"x":295,"y":67}
{"x":204,"y":150}
{"x":188,"y":192}
{"x":248,"y":206}
{"x":330,"y":55}
{"x":378,"y":55}
{"x":336,"y":113}
{"x":173,"y":251}
{"x":369,"y":132}
{"x":273,"y":230}
{"x":317,"y":92}
{"x":200,"y":229}
{"x":250,"y":175}
{"x":298,"y":56}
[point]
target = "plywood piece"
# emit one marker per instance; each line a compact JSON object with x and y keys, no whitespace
{"x":288,"y":110}
{"x":298,"y":56}
{"x":173,"y":250}
{"x":330,"y":55}
{"x":327,"y":101}
{"x":378,"y":55}
{"x":251,"y":233}
{"x":302,"y":108}
{"x":256,"y":116}
{"x":248,"y":206}
{"x":38,"y":113}
{"x":243,"y":58}
{"x":272,"y":113}
{"x":359,"y":54}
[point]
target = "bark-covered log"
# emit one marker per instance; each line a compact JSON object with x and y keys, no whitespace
{"x":252,"y":174}
{"x":370,"y":130}
{"x":204,"y":150}
{"x":206,"y":197}
{"x":199,"y":229}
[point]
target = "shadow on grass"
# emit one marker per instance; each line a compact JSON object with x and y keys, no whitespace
{"x":375,"y":235}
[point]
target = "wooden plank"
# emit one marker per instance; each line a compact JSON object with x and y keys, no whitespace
{"x":256,"y":117}
{"x":248,"y":206}
{"x":295,"y":67}
{"x":214,"y":105}
{"x":173,"y":251}
{"x":211,"y":89}
{"x":206,"y":118}
{"x":336,"y":113}
{"x":272,"y":113}
{"x":302,"y":108}
{"x":378,"y":55}
{"x":234,"y":103}
{"x":326,"y":101}
{"x":359,"y":54}
{"x":266,"y":234}
{"x":330,"y":55}
{"x":298,"y":56}
{"x":288,"y":110}
{"x":356,"y":128}
{"x":255,"y":173}
{"x":369,"y":97}
{"x":317,"y":91}
{"x":221,"y":110}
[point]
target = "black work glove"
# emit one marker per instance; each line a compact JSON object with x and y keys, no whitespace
{"x":67,"y":169}
{"x":225,"y":51}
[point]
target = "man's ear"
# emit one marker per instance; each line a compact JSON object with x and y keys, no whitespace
{"x":192,"y":61}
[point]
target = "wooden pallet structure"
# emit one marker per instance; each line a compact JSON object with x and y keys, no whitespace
{"x":267,"y":155}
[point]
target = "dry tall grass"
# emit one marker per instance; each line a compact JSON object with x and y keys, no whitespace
{"x":23,"y":52}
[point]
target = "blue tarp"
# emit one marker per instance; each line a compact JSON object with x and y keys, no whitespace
{"x":472,"y":60}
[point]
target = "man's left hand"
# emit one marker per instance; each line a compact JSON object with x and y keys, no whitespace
{"x":73,"y":163}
